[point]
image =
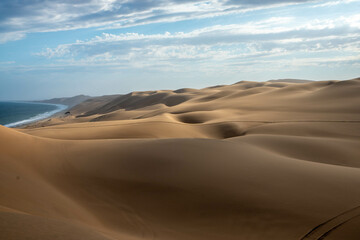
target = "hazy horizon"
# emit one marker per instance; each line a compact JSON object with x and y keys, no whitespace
{"x":139,"y":90}
{"x":53,"y":49}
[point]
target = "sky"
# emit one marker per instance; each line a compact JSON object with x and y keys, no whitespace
{"x":53,"y":48}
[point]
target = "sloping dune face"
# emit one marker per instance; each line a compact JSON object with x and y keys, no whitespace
{"x":252,"y":161}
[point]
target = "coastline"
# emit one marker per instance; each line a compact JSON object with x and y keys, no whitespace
{"x":38,"y":117}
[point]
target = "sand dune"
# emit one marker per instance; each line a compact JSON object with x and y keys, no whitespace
{"x":252,"y":160}
{"x":70,"y":102}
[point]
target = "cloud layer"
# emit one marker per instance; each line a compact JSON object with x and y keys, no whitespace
{"x":18,"y":17}
{"x":119,"y":49}
{"x":228,"y":45}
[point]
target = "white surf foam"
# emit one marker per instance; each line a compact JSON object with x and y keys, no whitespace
{"x":38,"y":117}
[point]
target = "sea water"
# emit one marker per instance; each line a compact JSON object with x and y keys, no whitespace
{"x":14,"y":114}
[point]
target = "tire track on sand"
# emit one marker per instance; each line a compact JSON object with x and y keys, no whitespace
{"x":324,"y":229}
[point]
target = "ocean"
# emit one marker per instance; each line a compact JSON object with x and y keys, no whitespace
{"x":13,"y":114}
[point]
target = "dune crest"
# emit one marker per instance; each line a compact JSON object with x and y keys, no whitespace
{"x":252,"y":160}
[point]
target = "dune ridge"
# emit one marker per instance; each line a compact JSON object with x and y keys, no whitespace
{"x":252,"y":160}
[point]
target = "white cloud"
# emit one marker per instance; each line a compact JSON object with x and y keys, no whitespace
{"x":59,"y":51}
{"x":260,"y":38}
{"x":334,"y":3}
{"x":55,"y":15}
{"x":12,"y":36}
{"x":279,"y":42}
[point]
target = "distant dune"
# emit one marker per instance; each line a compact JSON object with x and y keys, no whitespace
{"x":252,"y":160}
{"x":70,"y":101}
{"x":291,"y":80}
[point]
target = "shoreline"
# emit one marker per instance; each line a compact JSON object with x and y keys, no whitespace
{"x":38,"y":117}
